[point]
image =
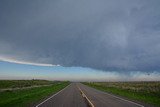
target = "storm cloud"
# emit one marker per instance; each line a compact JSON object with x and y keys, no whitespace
{"x":118,"y":35}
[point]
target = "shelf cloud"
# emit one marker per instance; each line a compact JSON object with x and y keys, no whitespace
{"x":118,"y":35}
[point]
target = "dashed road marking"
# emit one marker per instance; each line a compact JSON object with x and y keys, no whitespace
{"x":83,"y":94}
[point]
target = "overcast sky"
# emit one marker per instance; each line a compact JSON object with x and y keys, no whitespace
{"x":105,"y":35}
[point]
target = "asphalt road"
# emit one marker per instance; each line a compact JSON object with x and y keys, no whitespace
{"x":103,"y":99}
{"x":72,"y":97}
{"x":69,"y":97}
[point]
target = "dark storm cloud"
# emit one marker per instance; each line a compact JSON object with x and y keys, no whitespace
{"x":114,"y":35}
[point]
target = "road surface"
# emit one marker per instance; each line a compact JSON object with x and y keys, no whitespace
{"x":72,"y":96}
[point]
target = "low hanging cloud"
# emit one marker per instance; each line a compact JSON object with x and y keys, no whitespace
{"x":119,"y":35}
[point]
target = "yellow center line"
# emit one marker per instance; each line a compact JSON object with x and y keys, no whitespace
{"x":83,"y":95}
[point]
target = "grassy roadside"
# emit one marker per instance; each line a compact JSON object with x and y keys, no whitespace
{"x":27,"y":97}
{"x":132,"y":92}
{"x":23,"y":83}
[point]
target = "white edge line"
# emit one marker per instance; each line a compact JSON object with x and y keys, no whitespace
{"x":125,"y":100}
{"x":121,"y":98}
{"x":52,"y":96}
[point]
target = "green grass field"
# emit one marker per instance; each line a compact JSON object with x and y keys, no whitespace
{"x":147,"y":92}
{"x":29,"y":97}
{"x":22,"y":83}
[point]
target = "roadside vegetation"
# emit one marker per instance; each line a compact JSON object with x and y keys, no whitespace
{"x":31,"y":96}
{"x":147,"y":92}
{"x":4,"y":84}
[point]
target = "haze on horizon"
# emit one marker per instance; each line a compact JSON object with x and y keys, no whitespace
{"x":104,"y":40}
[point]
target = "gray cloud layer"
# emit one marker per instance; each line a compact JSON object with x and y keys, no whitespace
{"x":120,"y":35}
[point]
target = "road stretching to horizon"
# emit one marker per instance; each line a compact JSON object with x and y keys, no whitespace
{"x":79,"y":95}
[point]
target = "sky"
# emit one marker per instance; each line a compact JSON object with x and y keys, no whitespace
{"x":94,"y":40}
